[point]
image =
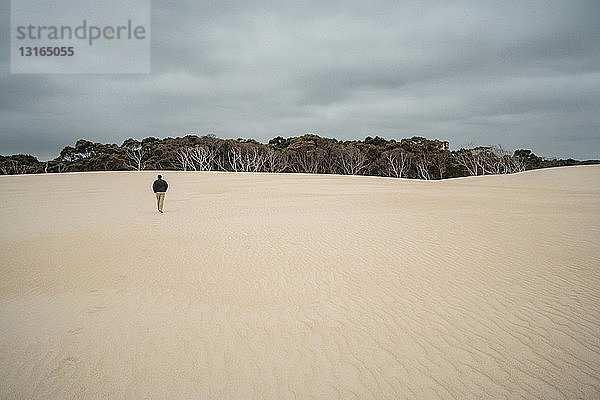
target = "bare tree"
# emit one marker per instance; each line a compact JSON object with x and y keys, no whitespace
{"x":275,"y":160}
{"x":253,"y":158}
{"x":56,"y":165}
{"x":440,"y":160}
{"x":245,"y":157}
{"x":202,"y":157}
{"x":135,"y":156}
{"x":234,"y":157}
{"x":306,"y":157}
{"x":485,"y":160}
{"x":495,"y":160}
{"x":13,"y":168}
{"x":183,"y":159}
{"x":351,"y":161}
{"x":221,"y":157}
{"x":474,"y":160}
{"x":397,"y":162}
{"x":500,"y":161}
{"x":422,"y":165}
{"x":215,"y":152}
{"x":517,"y":163}
{"x":465,"y":159}
{"x":196,"y":158}
{"x":308,"y":161}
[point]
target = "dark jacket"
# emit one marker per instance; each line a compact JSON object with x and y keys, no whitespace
{"x":160,"y":185}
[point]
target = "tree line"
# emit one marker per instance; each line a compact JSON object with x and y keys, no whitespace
{"x":416,"y":157}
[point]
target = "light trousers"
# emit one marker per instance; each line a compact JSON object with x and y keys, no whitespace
{"x":160,"y":200}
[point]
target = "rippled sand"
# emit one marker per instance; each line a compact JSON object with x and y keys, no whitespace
{"x":300,"y":286}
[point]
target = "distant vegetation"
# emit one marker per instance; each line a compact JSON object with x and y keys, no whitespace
{"x":416,"y":157}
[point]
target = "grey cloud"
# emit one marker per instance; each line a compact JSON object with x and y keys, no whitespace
{"x":510,"y":73}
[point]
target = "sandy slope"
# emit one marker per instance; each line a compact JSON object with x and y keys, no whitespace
{"x":300,"y":286}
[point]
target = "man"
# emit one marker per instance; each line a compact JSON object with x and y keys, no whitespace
{"x":160,"y":188}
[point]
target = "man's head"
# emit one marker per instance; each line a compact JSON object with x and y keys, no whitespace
{"x":160,"y":177}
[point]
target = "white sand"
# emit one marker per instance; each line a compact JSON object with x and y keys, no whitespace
{"x":300,"y":286}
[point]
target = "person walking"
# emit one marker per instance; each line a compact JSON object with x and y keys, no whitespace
{"x":160,"y":188}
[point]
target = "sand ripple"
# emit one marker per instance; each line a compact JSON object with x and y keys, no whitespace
{"x":298,"y":286}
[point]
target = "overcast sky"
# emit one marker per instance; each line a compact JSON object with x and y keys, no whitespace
{"x":522,"y":74}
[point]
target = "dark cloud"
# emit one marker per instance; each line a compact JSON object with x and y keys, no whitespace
{"x":509,"y":73}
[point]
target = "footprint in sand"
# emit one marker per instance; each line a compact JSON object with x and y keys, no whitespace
{"x":65,"y":367}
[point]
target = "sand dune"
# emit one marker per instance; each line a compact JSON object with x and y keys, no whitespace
{"x":300,"y":286}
